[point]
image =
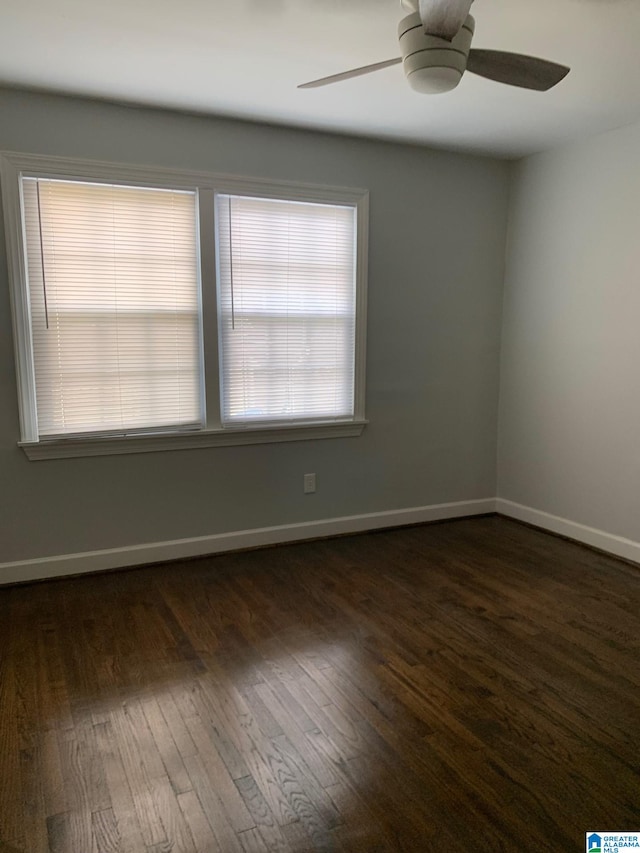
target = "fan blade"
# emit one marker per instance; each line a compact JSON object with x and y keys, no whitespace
{"x":443,"y":18}
{"x":516,"y":69}
{"x":347,"y":75}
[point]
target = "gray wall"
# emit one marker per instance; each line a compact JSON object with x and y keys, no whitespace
{"x":570,"y":392}
{"x":436,"y":272}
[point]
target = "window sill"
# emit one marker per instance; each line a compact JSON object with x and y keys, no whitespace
{"x":110,"y":446}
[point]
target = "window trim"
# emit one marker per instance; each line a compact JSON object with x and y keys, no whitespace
{"x":13,"y":165}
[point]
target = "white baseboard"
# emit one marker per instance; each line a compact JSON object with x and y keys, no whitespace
{"x":154,"y":552}
{"x":616,"y":545}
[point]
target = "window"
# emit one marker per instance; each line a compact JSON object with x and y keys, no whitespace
{"x":113,"y":296}
{"x":287,"y":309}
{"x":157,"y":309}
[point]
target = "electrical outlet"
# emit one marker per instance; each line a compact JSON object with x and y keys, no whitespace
{"x":309,"y":484}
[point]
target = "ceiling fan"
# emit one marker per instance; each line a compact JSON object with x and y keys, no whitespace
{"x":435,"y":40}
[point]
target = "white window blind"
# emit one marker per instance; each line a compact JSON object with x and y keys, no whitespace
{"x":114,"y":301}
{"x":287,"y":309}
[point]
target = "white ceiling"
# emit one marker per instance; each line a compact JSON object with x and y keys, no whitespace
{"x":244,"y":58}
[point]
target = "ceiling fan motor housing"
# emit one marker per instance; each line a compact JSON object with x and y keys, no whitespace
{"x":433,"y":65}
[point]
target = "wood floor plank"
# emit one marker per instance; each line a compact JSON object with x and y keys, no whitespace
{"x":253,"y":842}
{"x":33,"y":800}
{"x":119,"y":791}
{"x":267,"y":828}
{"x":166,"y":746}
{"x":54,"y":782}
{"x":179,"y":836}
{"x":139,"y":782}
{"x":106,"y":838}
{"x":259,"y":758}
{"x":353,"y":834}
{"x":203,"y":837}
{"x":176,"y":725}
{"x":455,"y":686}
{"x":70,"y":832}
{"x":219,"y":821}
{"x":222,"y":726}
{"x":11,"y":814}
{"x":219,"y":777}
{"x":316,"y":793}
{"x":319,"y":767}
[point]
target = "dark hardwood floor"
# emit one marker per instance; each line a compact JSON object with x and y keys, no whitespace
{"x":470,"y":685}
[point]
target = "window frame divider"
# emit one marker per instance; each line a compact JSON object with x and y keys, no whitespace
{"x":208,"y":294}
